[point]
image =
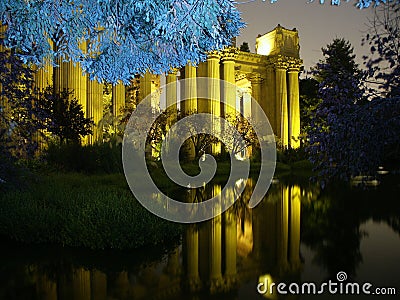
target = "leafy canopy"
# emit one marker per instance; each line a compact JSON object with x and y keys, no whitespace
{"x":116,"y":39}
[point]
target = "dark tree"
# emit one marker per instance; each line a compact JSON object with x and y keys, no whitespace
{"x":384,"y":38}
{"x":333,"y":129}
{"x":65,"y":117}
{"x":309,"y":102}
{"x":18,"y":115}
{"x":244,"y":47}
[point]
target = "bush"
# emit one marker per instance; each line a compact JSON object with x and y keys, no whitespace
{"x":97,"y":158}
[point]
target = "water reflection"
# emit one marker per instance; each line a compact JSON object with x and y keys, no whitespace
{"x":223,"y":258}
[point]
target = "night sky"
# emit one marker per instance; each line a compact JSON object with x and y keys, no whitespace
{"x":317,"y":24}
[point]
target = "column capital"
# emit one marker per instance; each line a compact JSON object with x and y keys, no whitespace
{"x":173,"y":71}
{"x":279,"y":62}
{"x":294,"y":64}
{"x":213,"y":55}
{"x":255,"y":78}
{"x":229,"y":54}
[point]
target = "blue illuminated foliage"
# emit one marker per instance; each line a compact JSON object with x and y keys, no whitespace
{"x":351,"y":136}
{"x":124,"y":37}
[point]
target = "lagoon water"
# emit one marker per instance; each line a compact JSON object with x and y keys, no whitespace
{"x":298,"y":234}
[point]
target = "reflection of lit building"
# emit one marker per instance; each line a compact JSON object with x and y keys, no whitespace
{"x":220,"y":255}
{"x":270,"y":76}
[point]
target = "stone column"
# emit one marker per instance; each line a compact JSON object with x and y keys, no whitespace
{"x":145,"y":85}
{"x":256,"y":94}
{"x":295,"y":213}
{"x":294,"y":107}
{"x":190,"y":103}
{"x":228,"y":63}
{"x":171,"y":96}
{"x":118,"y":98}
{"x":213,"y":73}
{"x":282,"y":118}
{"x":271,"y":96}
{"x":203,"y":105}
{"x":95,"y":108}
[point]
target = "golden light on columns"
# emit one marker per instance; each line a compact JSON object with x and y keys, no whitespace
{"x":281,"y":102}
{"x":95,"y":108}
{"x":294,"y":105}
{"x":256,"y":80}
{"x":190,"y":103}
{"x":171,"y":96}
{"x":214,"y":93}
{"x":145,"y":85}
{"x":118,"y":98}
{"x":228,"y":63}
{"x":270,"y":94}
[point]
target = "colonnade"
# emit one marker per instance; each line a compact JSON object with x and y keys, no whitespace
{"x":272,"y":77}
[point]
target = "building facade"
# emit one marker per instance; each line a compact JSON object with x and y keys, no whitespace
{"x":270,"y":76}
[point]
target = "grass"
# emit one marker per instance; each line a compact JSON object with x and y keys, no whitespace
{"x":96,"y":212}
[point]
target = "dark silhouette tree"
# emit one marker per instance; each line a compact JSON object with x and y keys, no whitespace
{"x":339,"y":89}
{"x":244,"y":47}
{"x":18,"y":115}
{"x":64,"y":115}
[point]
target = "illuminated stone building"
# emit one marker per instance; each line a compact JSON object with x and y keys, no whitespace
{"x":270,"y":76}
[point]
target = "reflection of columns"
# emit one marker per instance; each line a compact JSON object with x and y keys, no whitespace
{"x":213,"y":73}
{"x":81,"y":284}
{"x":98,"y":285}
{"x":122,"y":285}
{"x":173,"y":266}
{"x":282,"y":229}
{"x":171,"y":96}
{"x":46,"y":288}
{"x":95,"y":108}
{"x":190,"y":103}
{"x":295,"y":209}
{"x":256,"y":94}
{"x":215,"y":244}
{"x":281,"y":105}
{"x":294,"y":107}
{"x":192,"y":245}
{"x":118,"y":98}
{"x":228,"y":62}
{"x":230,"y":243}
